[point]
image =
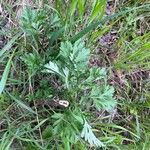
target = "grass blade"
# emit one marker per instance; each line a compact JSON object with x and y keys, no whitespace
{"x":20,"y":103}
{"x":81,"y":7}
{"x":5,"y":75}
{"x":9,"y":44}
{"x":98,"y":9}
{"x":39,"y":125}
{"x":73,"y":7}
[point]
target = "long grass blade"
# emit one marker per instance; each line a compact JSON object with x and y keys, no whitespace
{"x":73,"y":7}
{"x":98,"y":9}
{"x":81,"y":8}
{"x":9,"y":44}
{"x":5,"y":75}
{"x":21,"y":104}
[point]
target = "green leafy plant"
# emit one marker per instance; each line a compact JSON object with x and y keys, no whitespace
{"x":32,"y":21}
{"x":87,"y":133}
{"x":33,"y":62}
{"x":81,"y":84}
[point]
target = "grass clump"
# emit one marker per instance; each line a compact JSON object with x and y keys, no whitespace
{"x":75,"y":77}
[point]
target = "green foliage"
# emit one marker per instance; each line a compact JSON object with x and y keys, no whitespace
{"x":32,"y":21}
{"x":71,"y":64}
{"x":5,"y":75}
{"x":135,"y":54}
{"x":103,"y":97}
{"x":75,"y":56}
{"x":61,"y":88}
{"x":75,"y":61}
{"x":81,"y":7}
{"x":87,"y":133}
{"x":67,"y":126}
{"x":98,"y":10}
{"x":9,"y":45}
{"x":6,"y":141}
{"x":21,"y":104}
{"x":53,"y":68}
{"x":33,"y":62}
